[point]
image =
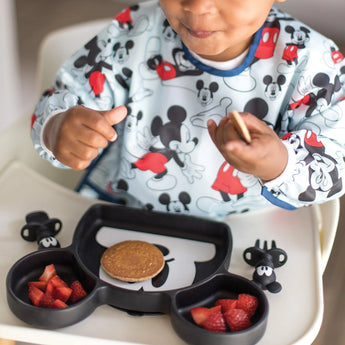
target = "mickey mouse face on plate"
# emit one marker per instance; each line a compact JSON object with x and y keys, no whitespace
{"x":183,"y":259}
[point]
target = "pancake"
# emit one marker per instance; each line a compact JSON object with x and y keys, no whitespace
{"x":132,"y":261}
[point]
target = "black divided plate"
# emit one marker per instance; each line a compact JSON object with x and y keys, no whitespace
{"x":197,"y":254}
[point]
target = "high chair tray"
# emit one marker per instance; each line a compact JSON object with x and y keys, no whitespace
{"x":297,"y":232}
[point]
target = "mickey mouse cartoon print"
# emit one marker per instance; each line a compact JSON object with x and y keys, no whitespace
{"x":299,"y":38}
{"x":323,"y":175}
{"x":176,"y":146}
{"x":176,"y":256}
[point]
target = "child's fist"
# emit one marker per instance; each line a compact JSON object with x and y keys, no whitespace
{"x":76,"y":135}
{"x":266,"y":156}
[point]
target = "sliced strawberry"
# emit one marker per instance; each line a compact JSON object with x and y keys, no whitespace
{"x":216,"y":308}
{"x":39,"y":284}
{"x":237,"y":319}
{"x":55,"y":282}
{"x":50,"y":287}
{"x":200,"y":314}
{"x":46,"y":300}
{"x":248,"y":303}
{"x":78,"y":292}
{"x":35,"y":295}
{"x":58,"y":304}
{"x":215,"y":322}
{"x":48,"y":273}
{"x":227,"y":304}
{"x":58,"y":282}
{"x":63,"y":293}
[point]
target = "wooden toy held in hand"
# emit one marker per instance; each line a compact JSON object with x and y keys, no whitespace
{"x":240,"y":126}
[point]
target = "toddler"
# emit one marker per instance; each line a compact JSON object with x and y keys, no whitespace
{"x":143,"y":107}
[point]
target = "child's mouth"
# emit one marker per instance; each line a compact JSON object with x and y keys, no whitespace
{"x":201,"y":34}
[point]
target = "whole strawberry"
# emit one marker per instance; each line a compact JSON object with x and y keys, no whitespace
{"x":237,"y":319}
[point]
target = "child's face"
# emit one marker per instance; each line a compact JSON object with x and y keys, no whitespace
{"x":216,"y":29}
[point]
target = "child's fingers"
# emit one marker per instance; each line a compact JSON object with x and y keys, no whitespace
{"x":217,"y":133}
{"x":85,"y":152}
{"x":102,"y":122}
{"x":115,"y":115}
{"x":76,"y":163}
{"x":254,"y":124}
{"x":221,"y":133}
{"x":212,"y":128}
{"x":91,"y":138}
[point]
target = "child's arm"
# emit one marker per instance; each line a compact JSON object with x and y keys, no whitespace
{"x":266,"y":156}
{"x":76,"y":135}
{"x":58,"y":115}
{"x":301,"y":168}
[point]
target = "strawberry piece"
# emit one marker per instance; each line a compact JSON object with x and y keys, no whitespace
{"x":215,"y":322}
{"x":39,"y":284}
{"x":248,"y":303}
{"x":78,"y":292}
{"x":227,"y":304}
{"x":48,"y":273}
{"x":35,"y":295}
{"x":62,"y":293}
{"x":55,"y":282}
{"x":216,"y":308}
{"x":200,"y":314}
{"x":50,"y":291}
{"x":58,"y":304}
{"x":237,"y":319}
{"x":46,"y":300}
{"x":58,"y":282}
{"x":50,"y":287}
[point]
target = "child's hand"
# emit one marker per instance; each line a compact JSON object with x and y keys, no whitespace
{"x":76,"y":135}
{"x":266,"y":156}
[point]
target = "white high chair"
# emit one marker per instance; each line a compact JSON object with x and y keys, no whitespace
{"x":15,"y":142}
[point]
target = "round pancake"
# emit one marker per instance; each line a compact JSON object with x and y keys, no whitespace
{"x":132,"y":261}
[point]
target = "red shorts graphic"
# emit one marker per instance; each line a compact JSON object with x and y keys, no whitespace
{"x":154,"y":162}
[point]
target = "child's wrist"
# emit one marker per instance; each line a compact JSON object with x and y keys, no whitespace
{"x":288,"y":170}
{"x":49,"y":130}
{"x":277,"y":167}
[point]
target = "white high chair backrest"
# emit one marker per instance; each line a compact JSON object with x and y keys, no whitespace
{"x":58,"y":45}
{"x":15,"y":141}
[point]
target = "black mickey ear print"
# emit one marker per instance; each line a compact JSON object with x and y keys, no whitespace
{"x":258,"y":107}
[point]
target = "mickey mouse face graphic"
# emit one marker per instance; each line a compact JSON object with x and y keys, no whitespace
{"x":180,"y":257}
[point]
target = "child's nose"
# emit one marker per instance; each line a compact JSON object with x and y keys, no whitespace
{"x":200,"y":6}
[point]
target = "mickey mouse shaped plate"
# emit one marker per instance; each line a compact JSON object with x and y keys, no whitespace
{"x":197,"y":255}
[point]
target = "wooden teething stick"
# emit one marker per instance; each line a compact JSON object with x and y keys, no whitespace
{"x":240,"y":126}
